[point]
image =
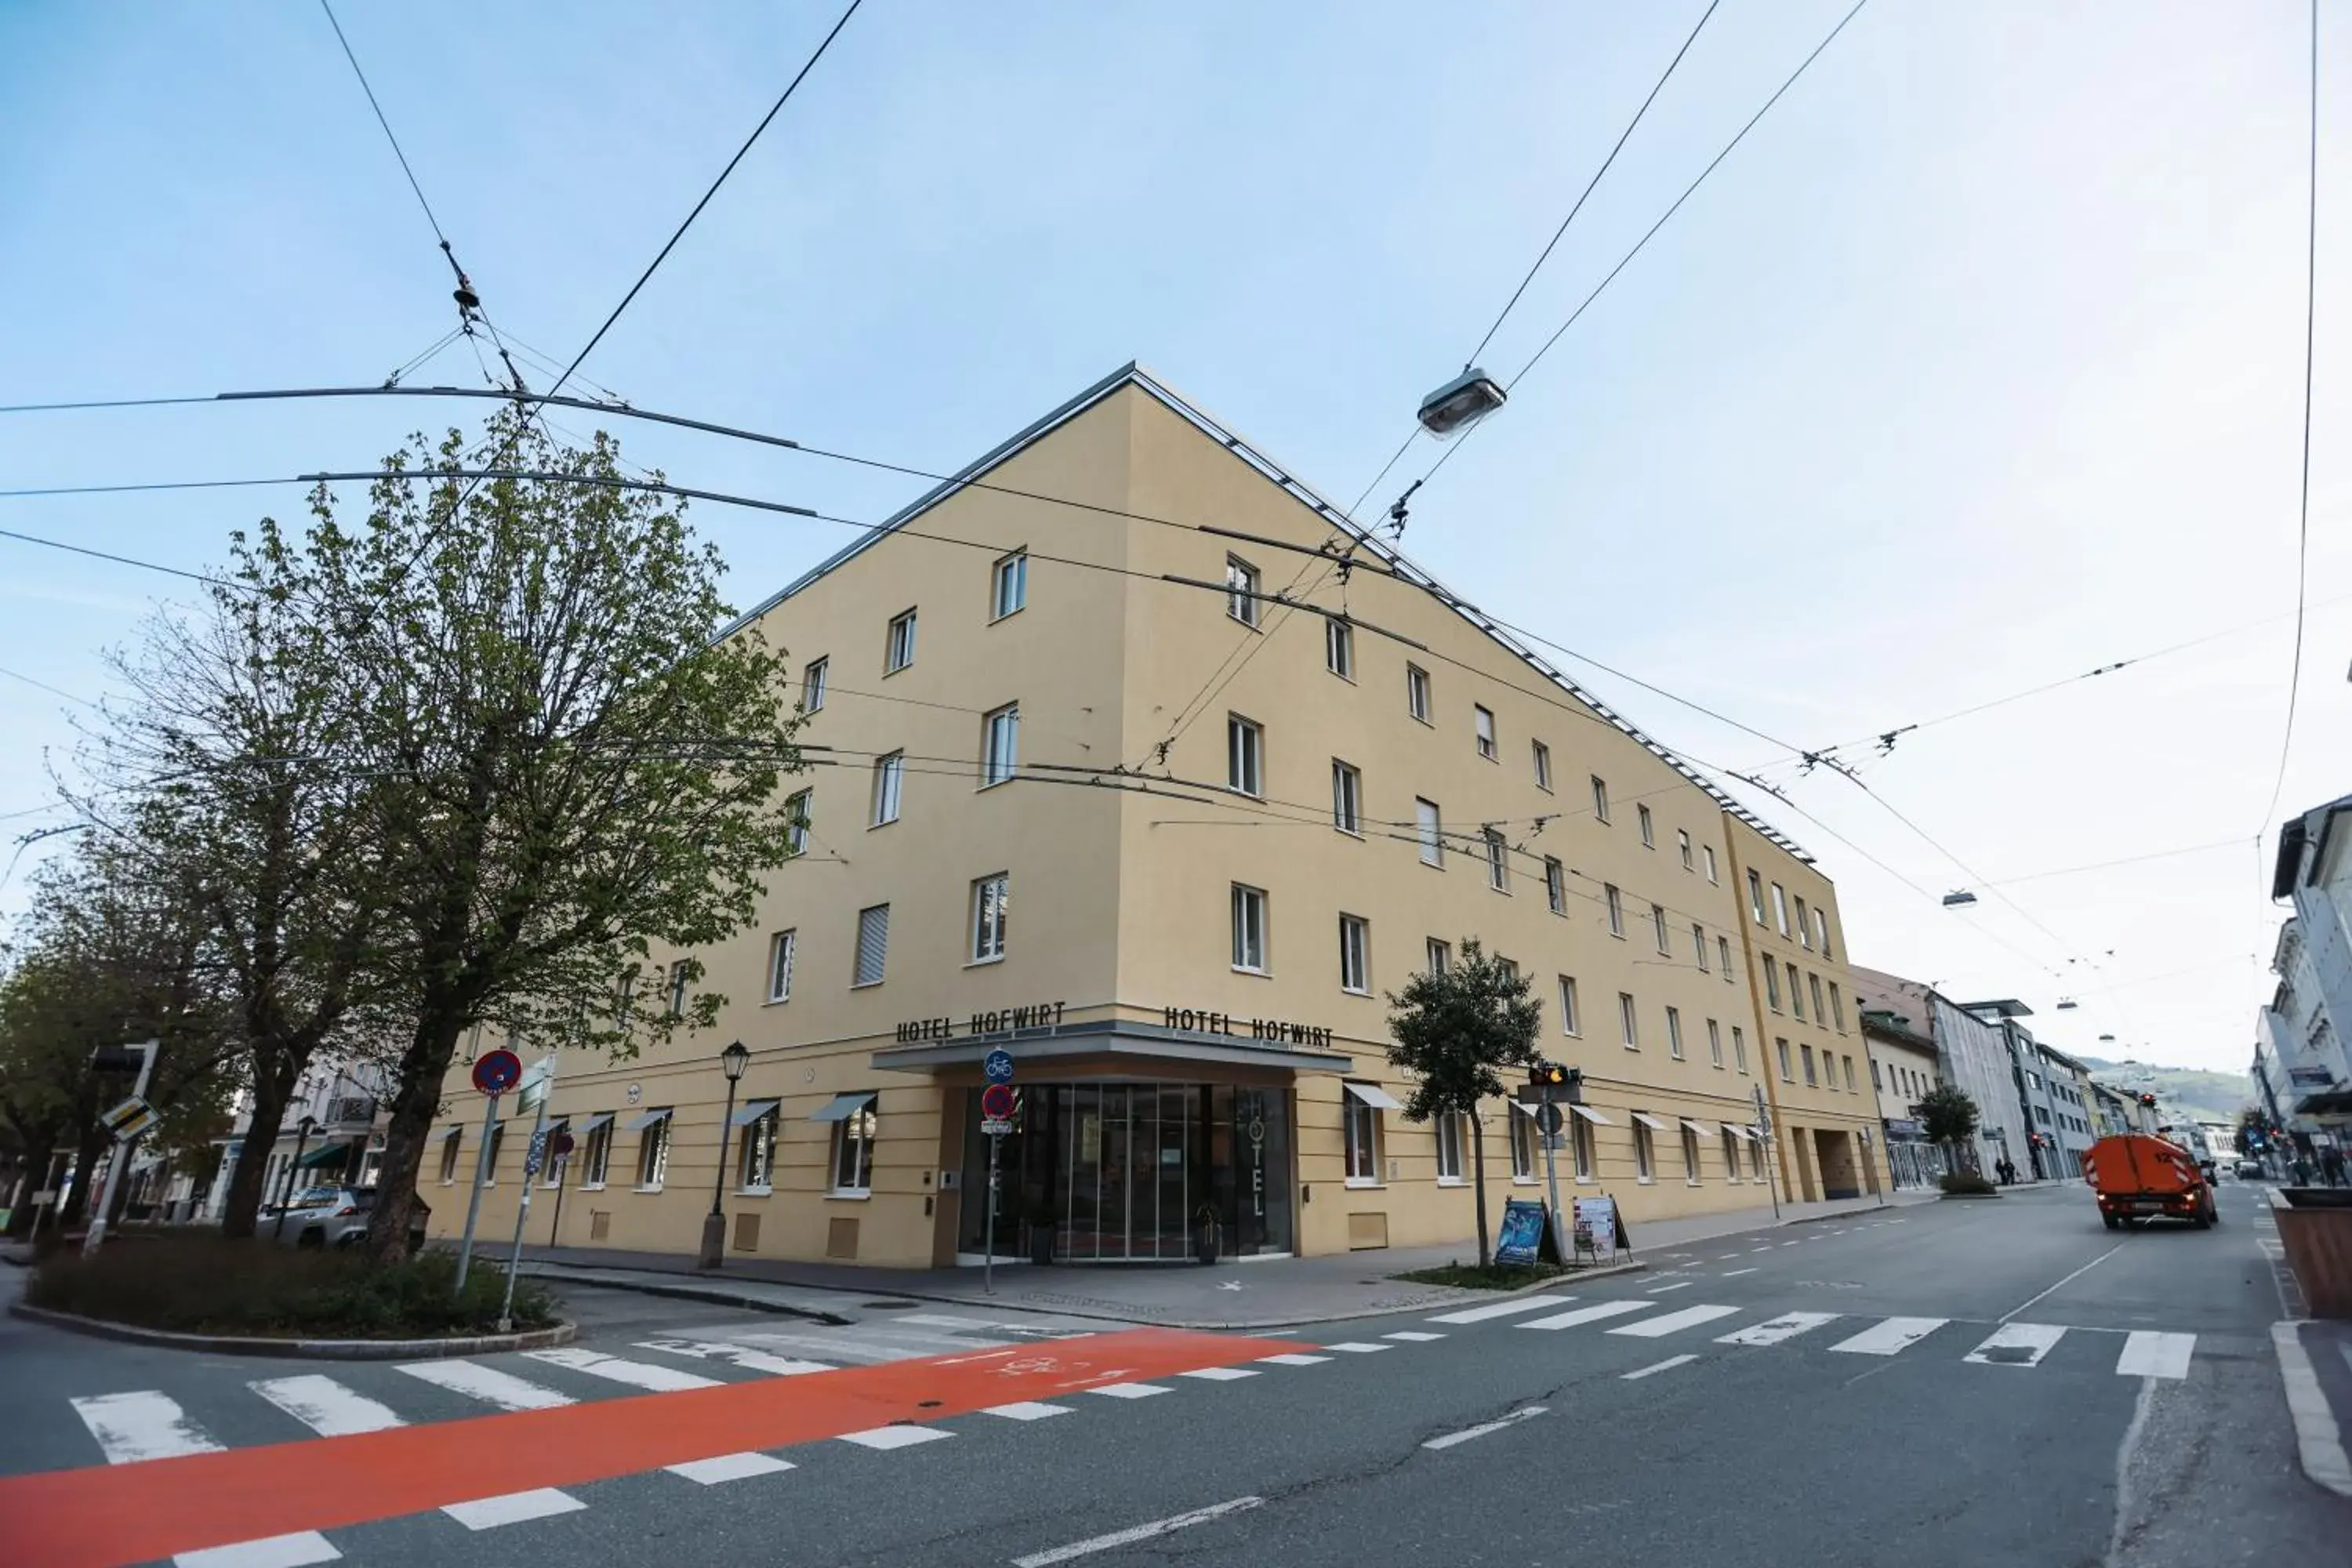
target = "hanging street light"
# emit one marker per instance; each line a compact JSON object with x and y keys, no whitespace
{"x":1460,"y":403}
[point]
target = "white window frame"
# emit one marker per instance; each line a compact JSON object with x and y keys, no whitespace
{"x":1580,"y":1142}
{"x":1628,"y":1020}
{"x":1847,"y":1060}
{"x":597,"y":1157}
{"x":1244,"y":756}
{"x":889,"y":788}
{"x":1698,"y":946}
{"x":800,"y":816}
{"x":1008,"y":585}
{"x":1730,"y":1155}
{"x":1447,"y":1135}
{"x":1523,"y":1146}
{"x":1417,"y":692}
{"x":1543,"y":765}
{"x":1683,"y":843}
{"x":1600,"y":798}
{"x":1000,"y":746}
{"x":1788,"y":1069}
{"x":1347,"y":798}
{"x":1714,"y":1044}
{"x":1615,"y":902}
{"x":782,"y":949}
{"x":1804,"y":926}
{"x":813,"y":677}
{"x":1822,"y":930}
{"x":1813,"y":982}
{"x":1690,"y":1157}
{"x":1355,"y":955}
{"x":852,"y":1153}
{"x":1648,"y":825}
{"x":1339,"y":648}
{"x":1360,"y":1140}
{"x":1429,"y":825}
{"x":1241,"y":590}
{"x":755,"y":1156}
{"x":1773,"y":984}
{"x":881,"y":957}
{"x":1645,"y":1157}
{"x":653,"y":1154}
{"x":681,"y":980}
{"x":992,"y":899}
{"x":1812,"y":1079}
{"x":1708,"y":851}
{"x":1675,"y":1033}
{"x":1779,"y":909}
{"x":452,"y":1144}
{"x":899,"y":648}
{"x":1796,"y":997}
{"x":1723,"y":952}
{"x":1756,"y":895}
{"x":1555,"y":885}
{"x":1482,"y":725}
{"x":1571,"y":1020}
{"x":1437,"y":957}
{"x":1249,"y":929}
{"x":1658,"y":930}
{"x":1499,"y":860}
{"x":1739,"y":1050}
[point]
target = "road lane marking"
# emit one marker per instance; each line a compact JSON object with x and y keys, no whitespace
{"x":1891,"y":1337}
{"x":887,"y":1437}
{"x":1134,"y":1533}
{"x":1295,"y":1358}
{"x":1028,"y":1410}
{"x":744,"y":1356}
{"x":486,"y":1384}
{"x":275,"y":1552}
{"x":144,"y":1426}
{"x":1677,"y":1285}
{"x":1500,"y":1309}
{"x":1358,"y":1347}
{"x":514,"y":1507}
{"x":1591,"y":1314}
{"x":1412,"y":1336}
{"x":635,"y":1374}
{"x":2017,"y":1345}
{"x":934,"y":1321}
{"x":1674,"y":1322}
{"x":2150,"y":1354}
{"x":1219,"y":1373}
{"x":1734,"y":1273}
{"x":1668,"y":1364}
{"x":1728,"y":1257}
{"x":1773,"y":1330}
{"x":1127,"y":1390}
{"x":1766,"y":1247}
{"x":1528,"y":1414}
{"x":728,"y":1467}
{"x":326,"y":1406}
{"x":2069,"y":1279}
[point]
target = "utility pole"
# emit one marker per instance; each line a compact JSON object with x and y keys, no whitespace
{"x":101,"y":1059}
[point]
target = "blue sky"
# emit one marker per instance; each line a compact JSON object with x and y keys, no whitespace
{"x":1978,"y":365}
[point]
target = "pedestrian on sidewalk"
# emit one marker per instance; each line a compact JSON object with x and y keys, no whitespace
{"x":2006,"y":1172}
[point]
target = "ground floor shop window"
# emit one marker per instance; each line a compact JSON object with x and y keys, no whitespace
{"x":1523,"y":1143}
{"x":653,"y":1149}
{"x":755,"y":1167}
{"x":449,"y":1144}
{"x":1449,"y":1146}
{"x":1362,"y":1127}
{"x":1731,"y":1155}
{"x":1690,"y":1156}
{"x":853,"y":1151}
{"x":1642,"y":1150}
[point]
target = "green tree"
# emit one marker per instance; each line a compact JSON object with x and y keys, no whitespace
{"x":2252,"y":1128}
{"x":564,"y":763}
{"x":1949,"y":1117}
{"x":1455,"y":1032}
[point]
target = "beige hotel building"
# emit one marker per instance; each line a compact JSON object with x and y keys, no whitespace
{"x":1090,"y":788}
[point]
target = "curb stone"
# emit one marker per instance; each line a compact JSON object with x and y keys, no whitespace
{"x":2317,"y":1437}
{"x":323,"y":1350}
{"x":708,"y":1296}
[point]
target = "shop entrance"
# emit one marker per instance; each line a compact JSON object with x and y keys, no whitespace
{"x":1122,"y":1172}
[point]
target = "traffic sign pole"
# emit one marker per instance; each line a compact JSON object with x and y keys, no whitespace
{"x":1551,"y":1173}
{"x":996,"y":1108}
{"x":531,"y":1156}
{"x":474,"y":1204}
{"x":120,"y":1156}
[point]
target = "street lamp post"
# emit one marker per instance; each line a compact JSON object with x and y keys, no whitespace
{"x":302,"y":1131}
{"x":731,"y":1061}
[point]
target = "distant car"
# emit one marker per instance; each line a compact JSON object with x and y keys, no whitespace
{"x":2250,"y":1169}
{"x":323,"y":1217}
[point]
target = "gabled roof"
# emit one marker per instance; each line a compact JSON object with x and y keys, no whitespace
{"x":1135,"y":375}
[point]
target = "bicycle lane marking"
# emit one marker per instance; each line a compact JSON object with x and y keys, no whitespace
{"x":158,"y":1508}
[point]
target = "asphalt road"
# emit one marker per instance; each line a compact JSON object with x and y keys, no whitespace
{"x":1960,"y":1382}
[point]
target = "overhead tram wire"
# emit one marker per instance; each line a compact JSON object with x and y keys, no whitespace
{"x":663,"y":255}
{"x":2303,"y":508}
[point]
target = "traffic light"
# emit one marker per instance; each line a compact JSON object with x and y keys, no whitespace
{"x":1547,"y":1073}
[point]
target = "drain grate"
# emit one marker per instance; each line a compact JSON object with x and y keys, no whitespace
{"x":889,"y":1305}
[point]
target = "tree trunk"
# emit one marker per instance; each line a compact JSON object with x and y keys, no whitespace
{"x":414,"y":1102}
{"x":86,"y":1153}
{"x":1478,"y":1172}
{"x":243,"y":1205}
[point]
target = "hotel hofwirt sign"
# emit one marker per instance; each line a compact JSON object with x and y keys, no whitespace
{"x":1048,"y":1016}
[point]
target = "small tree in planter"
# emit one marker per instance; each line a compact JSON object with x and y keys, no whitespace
{"x":1950,"y":1118}
{"x":1455,"y":1032}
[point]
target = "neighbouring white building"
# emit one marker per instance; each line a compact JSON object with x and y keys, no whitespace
{"x":2301,"y":1062}
{"x":1972,"y":1054}
{"x":348,"y":1105}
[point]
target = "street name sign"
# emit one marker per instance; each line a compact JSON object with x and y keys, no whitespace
{"x":129,"y":1119}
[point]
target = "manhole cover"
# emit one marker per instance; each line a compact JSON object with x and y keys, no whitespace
{"x":888,"y":1306}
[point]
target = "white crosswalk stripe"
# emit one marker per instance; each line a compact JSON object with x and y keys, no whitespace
{"x":1130,"y":1390}
{"x":514,"y":1507}
{"x":1774,"y":1331}
{"x":486,"y":1384}
{"x":2017,"y":1345}
{"x":1295,"y":1358}
{"x":1591,"y":1314}
{"x":1501,"y":1310}
{"x":1892,"y":1337}
{"x":1219,"y":1373}
{"x":744,"y":1356}
{"x":2150,"y":1354}
{"x":1412,"y":1336}
{"x":1674,"y":1322}
{"x":637,"y":1373}
{"x":894,"y":1436}
{"x":1028,"y":1410}
{"x":728,"y":1467}
{"x":133,"y":1428}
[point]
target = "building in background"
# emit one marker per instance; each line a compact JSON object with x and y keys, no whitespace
{"x":348,"y":1106}
{"x":1973,"y":1055}
{"x":2301,"y":1058}
{"x":1902,"y":1070}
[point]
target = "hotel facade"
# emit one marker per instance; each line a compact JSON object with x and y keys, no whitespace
{"x":1132,"y":758}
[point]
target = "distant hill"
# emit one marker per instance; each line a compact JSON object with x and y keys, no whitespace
{"x":2200,"y":1096}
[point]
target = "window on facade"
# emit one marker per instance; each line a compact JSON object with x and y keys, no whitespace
{"x":1449,"y":1145}
{"x":1683,"y":843}
{"x":1713,"y":1043}
{"x":1698,"y":946}
{"x":1874,"y":1074}
{"x":1788,"y":1072}
{"x":1499,"y":865}
{"x":1739,"y":1049}
{"x":1244,"y":755}
{"x":1599,"y":797}
{"x":1523,"y":1146}
{"x":1483,"y":721}
{"x":1755,"y":896}
{"x":1616,"y":906}
{"x":1339,"y":648}
{"x":1555,"y":885}
{"x":889,"y":777}
{"x":1417,"y":692}
{"x":1690,"y":1156}
{"x":1346,"y":797}
{"x":1658,"y":927}
{"x":451,"y":1141}
{"x":597,"y":1156}
{"x":1649,"y":829}
{"x":1249,"y":928}
{"x":1821,"y":932}
{"x":1626,"y":1023}
{"x":1806,"y":1052}
{"x":1723,"y":952}
{"x":1779,"y":909}
{"x":853,"y":1151}
{"x":653,"y":1152}
{"x":1571,"y":1020}
{"x":1675,"y":1033}
{"x":1847,"y":1063}
{"x":1730,"y":1156}
{"x":898,"y":651}
{"x":873,"y":946}
{"x":1796,"y":997}
{"x":1708,"y":850}
{"x":1543,"y":765}
{"x":1773,"y":984}
{"x":1837,"y":1007}
{"x":1362,"y":1126}
{"x":1437,"y":957}
{"x":1814,"y":984}
{"x":1804,"y":927}
{"x":755,"y":1166}
{"x":991,"y":904}
{"x":1644,"y":1161}
{"x":796,"y":822}
{"x":1242,"y":601}
{"x":1431,"y":831}
{"x":1583,"y":1143}
{"x":680,"y":978}
{"x":1355,"y":955}
{"x":813,"y":686}
{"x":780,"y":965}
{"x":1000,"y":746}
{"x":1010,"y":585}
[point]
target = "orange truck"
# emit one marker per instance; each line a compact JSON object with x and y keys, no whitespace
{"x":2137,"y":1177}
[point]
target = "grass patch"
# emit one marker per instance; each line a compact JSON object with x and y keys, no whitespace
{"x":1494,"y":1277}
{"x":1966,"y":1184}
{"x":206,"y":1284}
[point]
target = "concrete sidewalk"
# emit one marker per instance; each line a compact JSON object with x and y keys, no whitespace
{"x":1278,"y":1292}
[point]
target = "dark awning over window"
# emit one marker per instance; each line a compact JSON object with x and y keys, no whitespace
{"x":324,"y":1154}
{"x":844,"y":1106}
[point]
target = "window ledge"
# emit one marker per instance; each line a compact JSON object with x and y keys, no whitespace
{"x":863,"y":985}
{"x":1643,"y":1181}
{"x":1355,"y":832}
{"x":885,"y":822}
{"x":1452,"y":1181}
{"x":983,"y":962}
{"x":592,"y":1186}
{"x":648,"y":1187}
{"x":775,"y":1002}
{"x":1008,"y":614}
{"x":1354,"y":991}
{"x":850,"y":1195}
{"x":1362,"y":1183}
{"x":755,"y":1192}
{"x":1257,"y":973}
{"x":1523,"y":1181}
{"x":988,"y":783}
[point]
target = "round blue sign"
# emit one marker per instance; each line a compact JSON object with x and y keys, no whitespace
{"x":495,"y":1072}
{"x":998,"y":1066}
